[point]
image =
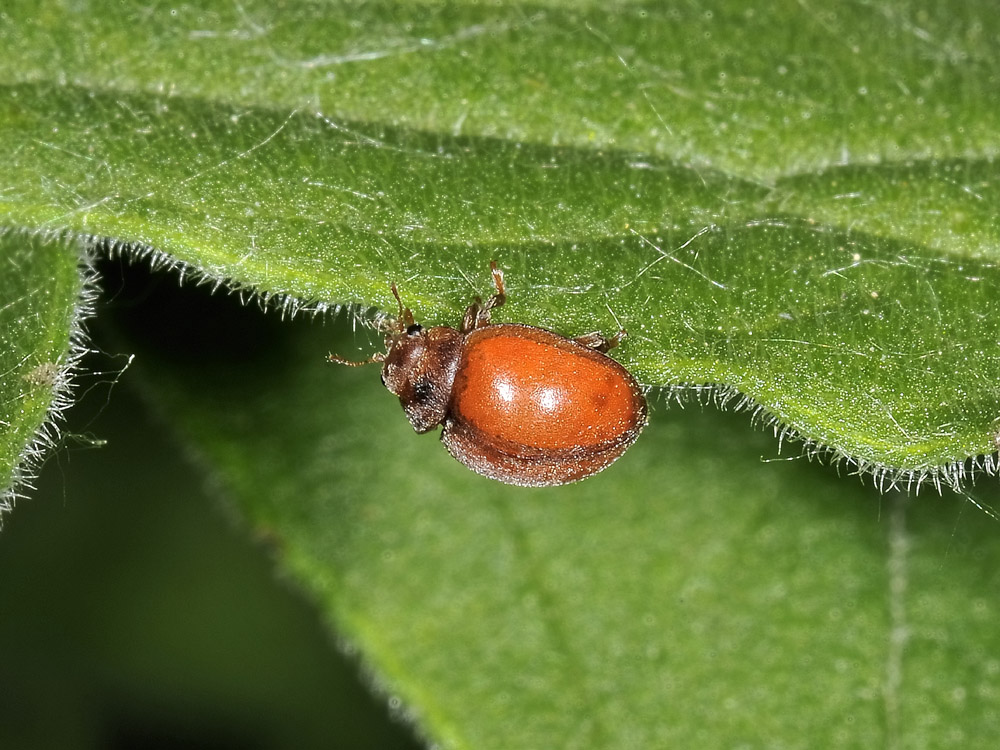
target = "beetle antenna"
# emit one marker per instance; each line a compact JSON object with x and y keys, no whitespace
{"x":338,"y":360}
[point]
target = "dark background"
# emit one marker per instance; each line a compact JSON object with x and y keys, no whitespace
{"x":134,"y":611}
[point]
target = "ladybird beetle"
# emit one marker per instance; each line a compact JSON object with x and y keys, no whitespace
{"x":519,"y":404}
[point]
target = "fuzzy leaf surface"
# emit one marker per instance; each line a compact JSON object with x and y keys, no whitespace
{"x":797,"y":203}
{"x":692,"y":595}
{"x":40,"y":287}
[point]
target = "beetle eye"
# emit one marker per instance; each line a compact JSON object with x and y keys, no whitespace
{"x":414,"y":329}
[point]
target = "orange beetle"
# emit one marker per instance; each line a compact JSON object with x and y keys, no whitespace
{"x":519,"y":404}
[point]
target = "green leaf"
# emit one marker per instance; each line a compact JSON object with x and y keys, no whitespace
{"x":795,"y":204}
{"x":695,"y":594}
{"x":40,"y":311}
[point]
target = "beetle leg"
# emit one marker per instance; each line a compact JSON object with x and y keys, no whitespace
{"x":497,"y":299}
{"x":483,"y":313}
{"x":501,"y":295}
{"x":477,"y":315}
{"x":599,"y":342}
{"x":473,"y":314}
